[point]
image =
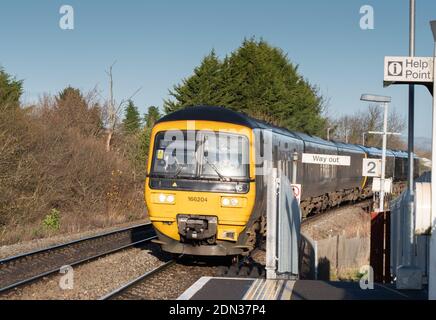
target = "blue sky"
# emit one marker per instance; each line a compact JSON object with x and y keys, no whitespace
{"x":158,"y":43}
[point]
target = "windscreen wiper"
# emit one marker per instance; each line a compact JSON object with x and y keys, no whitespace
{"x":223,"y":178}
{"x":178,"y":170}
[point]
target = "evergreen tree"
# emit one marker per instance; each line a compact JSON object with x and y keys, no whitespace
{"x":10,"y":89}
{"x":151,"y":116}
{"x":205,"y":86}
{"x":132,"y":120}
{"x":256,"y":79}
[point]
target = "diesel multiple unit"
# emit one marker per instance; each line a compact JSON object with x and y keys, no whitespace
{"x":206,"y":189}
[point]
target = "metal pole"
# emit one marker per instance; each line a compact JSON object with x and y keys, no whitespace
{"x":383,"y":173}
{"x":271,"y":217}
{"x":363,"y":138}
{"x":328,"y":134}
{"x":432,"y":262}
{"x":294,"y":167}
{"x":409,"y":221}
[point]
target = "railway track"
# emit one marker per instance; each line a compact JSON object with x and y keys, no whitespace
{"x":364,"y":204}
{"x":168,"y":281}
{"x":24,"y":268}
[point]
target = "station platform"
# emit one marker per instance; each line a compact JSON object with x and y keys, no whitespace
{"x":210,"y":288}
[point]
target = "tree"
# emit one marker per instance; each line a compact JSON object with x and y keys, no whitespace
{"x":205,"y":86}
{"x":113,"y":109}
{"x":151,"y":116}
{"x":352,"y":127}
{"x":132,"y":120}
{"x":135,"y":145}
{"x":71,"y":109}
{"x":150,"y":119}
{"x":10,"y":89}
{"x":256,"y":79}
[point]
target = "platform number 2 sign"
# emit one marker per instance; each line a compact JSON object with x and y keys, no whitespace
{"x":371,"y":168}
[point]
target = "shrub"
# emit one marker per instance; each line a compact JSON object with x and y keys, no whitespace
{"x":50,"y":160}
{"x":52,"y":220}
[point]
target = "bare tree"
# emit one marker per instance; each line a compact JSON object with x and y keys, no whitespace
{"x":352,"y":127}
{"x":113,"y":110}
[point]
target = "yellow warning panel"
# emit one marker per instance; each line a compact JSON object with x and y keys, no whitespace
{"x":160,"y":154}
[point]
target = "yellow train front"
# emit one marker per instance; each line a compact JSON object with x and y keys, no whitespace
{"x":200,"y":188}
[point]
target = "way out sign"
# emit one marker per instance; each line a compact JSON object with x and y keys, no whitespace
{"x":371,"y":168}
{"x":326,"y":159}
{"x":408,"y":70}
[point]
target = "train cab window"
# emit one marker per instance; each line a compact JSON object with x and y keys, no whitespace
{"x":174,"y":154}
{"x":224,"y":156}
{"x":189,"y":154}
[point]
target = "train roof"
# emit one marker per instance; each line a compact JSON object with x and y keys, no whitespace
{"x":400,"y":154}
{"x":213,"y":113}
{"x":224,"y":114}
{"x":348,"y":146}
{"x":308,"y":138}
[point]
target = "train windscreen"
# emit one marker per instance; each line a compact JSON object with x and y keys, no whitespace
{"x":201,"y":155}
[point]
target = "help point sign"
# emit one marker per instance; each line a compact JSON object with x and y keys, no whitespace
{"x":408,"y":69}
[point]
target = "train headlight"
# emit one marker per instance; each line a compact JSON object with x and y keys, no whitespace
{"x":163,"y":198}
{"x":233,"y":202}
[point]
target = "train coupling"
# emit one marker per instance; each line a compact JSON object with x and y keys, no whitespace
{"x":196,"y":227}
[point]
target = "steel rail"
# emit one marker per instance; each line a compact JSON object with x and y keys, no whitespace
{"x":74,"y":263}
{"x":139,"y":279}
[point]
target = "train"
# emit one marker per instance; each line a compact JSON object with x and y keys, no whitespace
{"x":205,"y":187}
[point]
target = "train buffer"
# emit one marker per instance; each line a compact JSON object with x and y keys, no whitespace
{"x":210,"y":288}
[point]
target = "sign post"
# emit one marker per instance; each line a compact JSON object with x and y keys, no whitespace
{"x":415,"y":70}
{"x":384,"y":101}
{"x":432,"y":262}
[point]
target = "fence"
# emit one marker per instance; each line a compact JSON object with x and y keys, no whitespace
{"x":334,"y":257}
{"x":421,"y":247}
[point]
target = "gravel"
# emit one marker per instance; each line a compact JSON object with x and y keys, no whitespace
{"x":19,"y":248}
{"x":349,"y":221}
{"x":94,"y":279}
{"x":169,"y":283}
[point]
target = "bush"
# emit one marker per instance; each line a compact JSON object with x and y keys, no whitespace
{"x":52,"y":220}
{"x":50,"y":160}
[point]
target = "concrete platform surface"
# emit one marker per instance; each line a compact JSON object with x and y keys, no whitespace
{"x":209,"y":288}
